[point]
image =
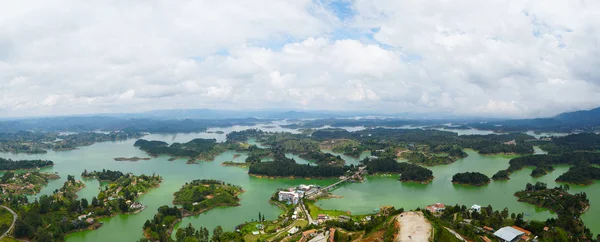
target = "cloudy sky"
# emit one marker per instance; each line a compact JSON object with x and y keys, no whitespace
{"x":487,"y":58}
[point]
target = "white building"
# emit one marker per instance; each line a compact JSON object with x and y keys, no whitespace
{"x":291,"y":197}
{"x":304,"y":187}
{"x":476,"y":207}
{"x":508,"y":234}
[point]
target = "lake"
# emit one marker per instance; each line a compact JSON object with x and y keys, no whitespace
{"x":357,"y":198}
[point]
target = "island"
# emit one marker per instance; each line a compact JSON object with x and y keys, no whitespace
{"x":28,"y":183}
{"x":470,"y":178}
{"x":408,"y":172}
{"x":132,"y":159}
{"x":281,"y":166}
{"x":196,"y":149}
{"x":195,"y":197}
{"x":11,"y":165}
{"x":40,"y":142}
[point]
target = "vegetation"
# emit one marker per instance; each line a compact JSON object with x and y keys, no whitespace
{"x":201,"y":195}
{"x":200,"y":149}
{"x":6,"y":219}
{"x":190,"y":234}
{"x":49,"y":218}
{"x":572,"y":143}
{"x":470,"y":178}
{"x":569,"y":207}
{"x":282,"y":166}
{"x":28,"y":183}
{"x":429,"y":160}
{"x":37,"y":142}
{"x":10,"y":165}
{"x":581,"y":173}
{"x":159,"y":228}
{"x":409,"y":172}
{"x":104,"y":175}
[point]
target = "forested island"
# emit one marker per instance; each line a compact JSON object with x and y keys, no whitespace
{"x":569,"y":207}
{"x":408,"y":172}
{"x":196,"y":149}
{"x":123,"y":187}
{"x":201,"y":195}
{"x":282,"y":166}
{"x":40,"y":142}
{"x":12,"y":165}
{"x":470,"y":178}
{"x":195,"y":197}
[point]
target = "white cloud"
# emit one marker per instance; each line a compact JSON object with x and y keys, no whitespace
{"x":500,"y":57}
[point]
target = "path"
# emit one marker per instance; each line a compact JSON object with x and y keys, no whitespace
{"x":414,"y":227}
{"x":458,"y":236}
{"x":13,"y":223}
{"x":310,"y":220}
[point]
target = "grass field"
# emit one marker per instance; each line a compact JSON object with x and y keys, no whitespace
{"x":316,"y":210}
{"x":6,"y":219}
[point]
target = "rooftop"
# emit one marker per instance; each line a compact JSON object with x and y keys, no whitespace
{"x":508,"y":233}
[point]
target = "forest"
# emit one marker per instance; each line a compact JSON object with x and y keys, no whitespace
{"x":155,"y":230}
{"x":104,"y":175}
{"x":39,"y":142}
{"x":470,"y":178}
{"x":581,"y":173}
{"x":11,"y":165}
{"x":282,"y":166}
{"x":200,"y":195}
{"x":204,"y":149}
{"x":408,"y":172}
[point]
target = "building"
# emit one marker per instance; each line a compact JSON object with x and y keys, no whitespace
{"x":343,"y":218}
{"x":290,"y":197}
{"x":490,"y":229}
{"x":508,"y":234}
{"x":89,"y":220}
{"x":304,"y":187}
{"x":476,"y":207}
{"x":438,"y":207}
{"x":322,"y":216}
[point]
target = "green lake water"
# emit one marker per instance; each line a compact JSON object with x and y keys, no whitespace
{"x":356,"y":197}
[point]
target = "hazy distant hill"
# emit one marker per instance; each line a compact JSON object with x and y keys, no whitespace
{"x":588,"y":120}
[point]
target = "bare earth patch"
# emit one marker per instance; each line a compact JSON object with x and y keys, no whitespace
{"x":413,"y":227}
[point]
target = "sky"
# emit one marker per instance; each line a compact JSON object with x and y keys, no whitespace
{"x":491,"y":58}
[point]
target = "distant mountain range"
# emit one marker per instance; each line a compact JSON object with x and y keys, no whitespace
{"x":194,"y":120}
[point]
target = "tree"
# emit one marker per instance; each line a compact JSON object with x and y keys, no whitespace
{"x":95,"y":202}
{"x":217,"y":233}
{"x":70,"y":178}
{"x":84,"y":203}
{"x":259,"y":217}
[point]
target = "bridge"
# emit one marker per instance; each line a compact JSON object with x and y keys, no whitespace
{"x":334,"y":185}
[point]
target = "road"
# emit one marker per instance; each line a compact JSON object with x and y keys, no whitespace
{"x":458,"y":236}
{"x":310,"y":220}
{"x":13,"y":223}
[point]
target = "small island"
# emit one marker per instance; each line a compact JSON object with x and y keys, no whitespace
{"x":502,"y":175}
{"x":470,"y":178}
{"x":583,"y":174}
{"x":556,"y":199}
{"x":132,"y":159}
{"x":195,"y":197}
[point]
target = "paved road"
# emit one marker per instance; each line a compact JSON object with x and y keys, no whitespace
{"x":13,"y":223}
{"x":310,"y":220}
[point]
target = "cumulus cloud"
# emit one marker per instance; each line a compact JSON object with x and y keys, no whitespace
{"x":493,"y":58}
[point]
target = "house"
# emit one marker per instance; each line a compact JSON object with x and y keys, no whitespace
{"x":89,"y":220}
{"x":438,"y":207}
{"x":476,"y":207}
{"x":304,"y":187}
{"x":488,"y":228}
{"x":322,"y":216}
{"x":508,"y":234}
{"x":290,"y":197}
{"x":293,"y":230}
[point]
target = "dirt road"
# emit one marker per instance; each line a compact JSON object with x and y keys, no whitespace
{"x":414,"y":227}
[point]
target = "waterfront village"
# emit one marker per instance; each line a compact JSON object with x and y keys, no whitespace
{"x":295,"y":196}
